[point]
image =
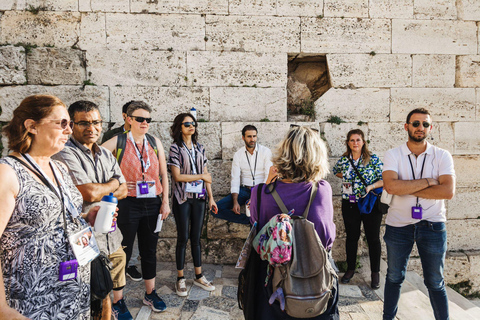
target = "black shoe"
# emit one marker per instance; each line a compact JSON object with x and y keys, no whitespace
{"x":133,"y":273}
{"x":375,"y":280}
{"x":348,"y":276}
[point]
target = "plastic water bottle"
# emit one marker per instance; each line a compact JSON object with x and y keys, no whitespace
{"x":193,"y":111}
{"x":103,"y":222}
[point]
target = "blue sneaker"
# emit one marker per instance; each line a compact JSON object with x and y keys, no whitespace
{"x":154,"y":301}
{"x":120,"y":311}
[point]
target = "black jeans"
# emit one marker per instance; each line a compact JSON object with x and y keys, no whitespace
{"x":139,"y":217}
{"x":371,"y":224}
{"x":189,"y":220}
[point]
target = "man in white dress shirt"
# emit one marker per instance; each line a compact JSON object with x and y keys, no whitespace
{"x":250,"y":167}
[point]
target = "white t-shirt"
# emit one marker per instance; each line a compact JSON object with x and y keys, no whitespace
{"x":438,"y":162}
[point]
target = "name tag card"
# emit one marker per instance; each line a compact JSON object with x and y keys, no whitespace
{"x":84,"y":246}
{"x":194,"y":186}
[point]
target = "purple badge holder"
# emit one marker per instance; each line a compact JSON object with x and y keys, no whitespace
{"x":352,"y":198}
{"x":143,"y":186}
{"x":417,"y":213}
{"x":202,"y":195}
{"x":114,"y":227}
{"x":68,"y":270}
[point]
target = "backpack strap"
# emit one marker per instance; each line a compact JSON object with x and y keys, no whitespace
{"x":282,"y":206}
{"x":313,"y":194}
{"x":153,"y":142}
{"x":120,"y":149}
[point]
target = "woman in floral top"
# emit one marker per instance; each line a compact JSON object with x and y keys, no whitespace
{"x":370,"y":167}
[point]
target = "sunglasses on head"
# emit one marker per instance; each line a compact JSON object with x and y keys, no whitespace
{"x":297,"y":126}
{"x":141,"y":119}
{"x":62,"y":122}
{"x":416,"y":124}
{"x":188,"y":124}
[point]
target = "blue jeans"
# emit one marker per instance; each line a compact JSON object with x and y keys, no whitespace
{"x":431,"y":239}
{"x":225,"y":207}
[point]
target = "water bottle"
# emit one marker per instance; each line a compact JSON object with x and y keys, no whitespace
{"x":193,"y":111}
{"x":103,"y":222}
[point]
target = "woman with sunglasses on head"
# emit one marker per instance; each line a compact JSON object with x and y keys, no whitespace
{"x":192,"y":188}
{"x":142,"y":161}
{"x":358,"y":158}
{"x":40,"y":209}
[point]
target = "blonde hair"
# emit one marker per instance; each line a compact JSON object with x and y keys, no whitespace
{"x":301,"y":156}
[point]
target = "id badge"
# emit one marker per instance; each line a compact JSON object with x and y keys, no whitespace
{"x":68,"y":270}
{"x":347,"y":188}
{"x":352,"y":198}
{"x":146,"y":189}
{"x":84,"y":246}
{"x":194,"y":186}
{"x":417,"y":213}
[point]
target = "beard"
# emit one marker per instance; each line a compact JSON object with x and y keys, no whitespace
{"x":413,"y":138}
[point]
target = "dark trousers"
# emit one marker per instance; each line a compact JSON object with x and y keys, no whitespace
{"x":189,"y":220}
{"x":225,"y":207}
{"x":371,"y":224}
{"x":139,"y":217}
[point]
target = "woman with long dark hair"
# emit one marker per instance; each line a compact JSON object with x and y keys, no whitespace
{"x":191,"y":188}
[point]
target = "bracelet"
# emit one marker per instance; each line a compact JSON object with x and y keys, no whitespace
{"x":427,"y":182}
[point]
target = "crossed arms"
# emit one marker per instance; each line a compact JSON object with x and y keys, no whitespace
{"x":427,"y":188}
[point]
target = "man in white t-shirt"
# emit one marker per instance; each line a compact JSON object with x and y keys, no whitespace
{"x":420,"y":176}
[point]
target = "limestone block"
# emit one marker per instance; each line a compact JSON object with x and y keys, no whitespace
{"x":434,"y":71}
{"x":333,"y":180}
{"x":138,"y":67}
{"x":52,"y":66}
{"x":474,"y":258}
{"x":457,"y":267}
{"x":248,"y":104}
{"x":345,"y":8}
{"x":169,"y":228}
{"x":464,"y":204}
{"x":338,"y":250}
{"x":350,"y":35}
{"x":10,"y":97}
{"x":221,"y":176}
{"x":161,"y":6}
{"x":468,"y":71}
{"x":166,"y":102}
{"x":6,"y":5}
{"x":335,"y":135}
{"x":152,"y":31}
{"x":445,"y":104}
{"x":252,"y":7}
{"x":434,"y":36}
{"x":222,"y":229}
{"x":466,"y":177}
{"x":110,"y":5}
{"x":337,"y":216}
{"x":12,"y":65}
{"x":166,"y":250}
{"x":436,"y":9}
{"x":49,"y":5}
{"x":468,"y":10}
{"x":477,"y":90}
{"x":397,"y":9}
{"x":44,"y":28}
{"x":367,"y":71}
{"x":353,"y":105}
{"x":253,"y":33}
{"x":467,"y":138}
{"x":222,"y":251}
{"x":204,"y":6}
{"x":463,"y":234}
{"x":299,"y":8}
{"x":92,"y":31}
{"x":237,"y":69}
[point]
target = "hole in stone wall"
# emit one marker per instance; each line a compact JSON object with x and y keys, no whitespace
{"x":307,"y":81}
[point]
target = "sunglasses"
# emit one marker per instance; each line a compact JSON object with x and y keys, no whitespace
{"x":141,"y":119}
{"x":188,"y":124}
{"x":62,"y":122}
{"x":297,"y":126}
{"x":86,"y":124}
{"x":416,"y":124}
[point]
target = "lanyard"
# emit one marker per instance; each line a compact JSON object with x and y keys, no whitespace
{"x":191,"y":156}
{"x":91,"y":159}
{"x":413,"y":171}
{"x":145,"y":164}
{"x":352,"y":162}
{"x":250,"y":167}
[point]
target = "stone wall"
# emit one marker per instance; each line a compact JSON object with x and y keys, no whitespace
{"x":229,"y":60}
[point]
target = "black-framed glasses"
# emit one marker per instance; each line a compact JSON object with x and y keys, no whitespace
{"x":62,"y":122}
{"x":141,"y":119}
{"x":297,"y":126}
{"x":416,"y":124}
{"x":87,"y":124}
{"x":188,"y":124}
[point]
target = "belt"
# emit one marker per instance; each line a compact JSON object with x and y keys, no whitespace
{"x":248,"y":187}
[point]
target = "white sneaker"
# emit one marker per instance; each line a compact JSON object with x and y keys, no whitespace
{"x":204,"y":284}
{"x":181,"y":288}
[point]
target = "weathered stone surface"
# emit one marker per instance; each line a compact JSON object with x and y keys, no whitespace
{"x":223,"y":251}
{"x":52,"y":66}
{"x":463,"y":234}
{"x":48,"y":5}
{"x":44,"y":28}
{"x":152,"y":31}
{"x":434,"y":36}
{"x":169,"y":228}
{"x":436,"y":9}
{"x":467,"y":138}
{"x":12,"y":65}
{"x":335,"y":183}
{"x":477,"y":90}
{"x":182,"y":6}
{"x":237,"y":69}
{"x":468,"y":71}
{"x":10,"y":97}
{"x":220,"y":170}
{"x":366,"y":105}
{"x":221,"y":229}
{"x":333,"y":35}
{"x":464,"y":204}
{"x":466,"y":177}
{"x":138,"y":67}
{"x":92,"y":31}
{"x":235,"y":104}
{"x":434,"y":71}
{"x":445,"y":103}
{"x":8,"y":5}
{"x":345,"y":8}
{"x":457,"y":267}
{"x":162,"y":6}
{"x":336,"y":134}
{"x":398,"y":9}
{"x":252,"y":33}
{"x":474,"y":258}
{"x":110,"y":5}
{"x":299,"y":8}
{"x":367,"y":71}
{"x":468,"y":10}
{"x":204,"y":313}
{"x":252,"y":7}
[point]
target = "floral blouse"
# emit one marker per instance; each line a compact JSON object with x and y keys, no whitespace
{"x":371,"y":173}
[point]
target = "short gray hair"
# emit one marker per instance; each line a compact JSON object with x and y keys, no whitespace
{"x":135,"y":105}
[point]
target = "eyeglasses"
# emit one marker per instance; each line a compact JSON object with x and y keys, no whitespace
{"x":416,"y":124}
{"x":188,"y":124}
{"x":62,"y":122}
{"x":141,"y":119}
{"x":297,"y":126}
{"x":86,"y":124}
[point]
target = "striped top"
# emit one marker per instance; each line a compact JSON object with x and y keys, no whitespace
{"x":179,"y":158}
{"x":132,"y":169}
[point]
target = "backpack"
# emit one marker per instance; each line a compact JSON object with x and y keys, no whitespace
{"x":122,"y":142}
{"x":100,"y":280}
{"x":304,"y":284}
